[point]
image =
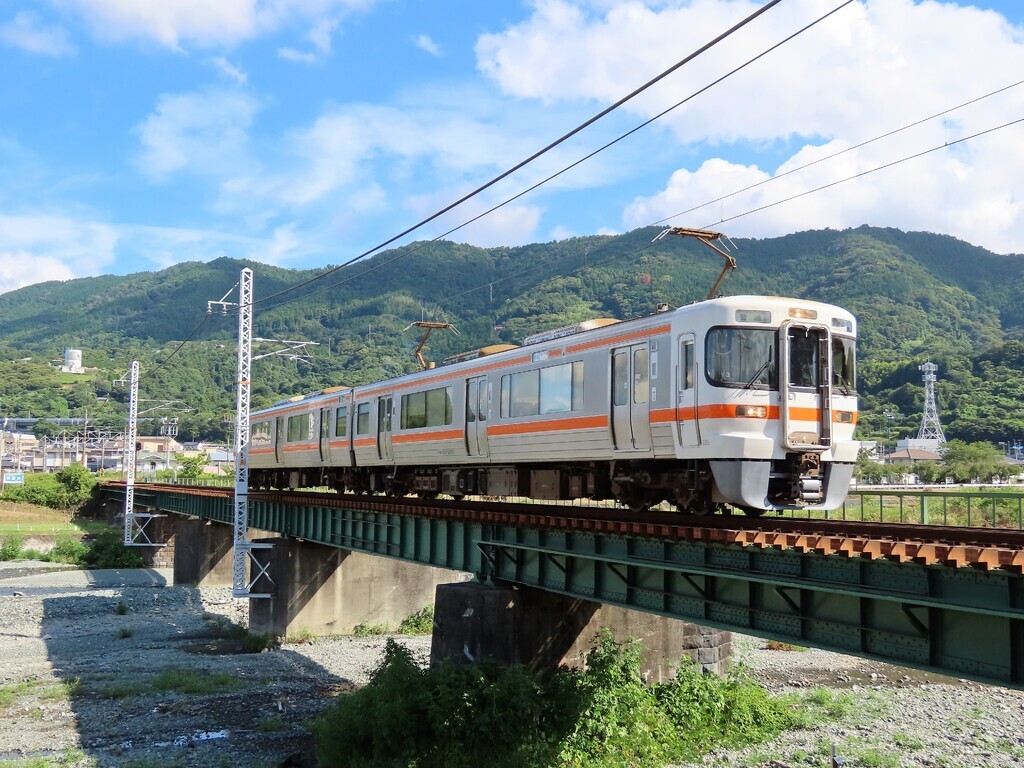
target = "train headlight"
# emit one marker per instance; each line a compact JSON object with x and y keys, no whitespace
{"x":806,"y":314}
{"x":844,"y":417}
{"x":752,"y":411}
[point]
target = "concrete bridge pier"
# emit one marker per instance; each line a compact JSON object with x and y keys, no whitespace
{"x":202,"y":553}
{"x":544,"y":630}
{"x":325,"y":590}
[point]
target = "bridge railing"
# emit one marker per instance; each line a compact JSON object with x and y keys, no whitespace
{"x":985,"y":507}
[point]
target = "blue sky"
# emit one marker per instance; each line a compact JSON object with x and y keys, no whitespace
{"x":135,"y":134}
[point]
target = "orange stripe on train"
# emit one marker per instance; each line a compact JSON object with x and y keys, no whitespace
{"x":550,"y":425}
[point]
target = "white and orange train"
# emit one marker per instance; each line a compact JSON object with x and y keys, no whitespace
{"x":748,"y":401}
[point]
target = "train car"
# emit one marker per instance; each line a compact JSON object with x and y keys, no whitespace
{"x":748,"y":401}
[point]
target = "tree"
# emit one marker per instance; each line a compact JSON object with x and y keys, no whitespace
{"x":967,"y":462}
{"x":868,"y":470}
{"x":76,"y":482}
{"x":190,"y":466}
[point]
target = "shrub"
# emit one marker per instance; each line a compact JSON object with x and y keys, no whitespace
{"x":362,"y":629}
{"x":10,"y":547}
{"x":419,"y":622}
{"x":108,"y":551}
{"x":68,"y":549}
{"x":605,"y":716}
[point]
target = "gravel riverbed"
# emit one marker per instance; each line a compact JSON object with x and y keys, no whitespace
{"x":120,"y":668}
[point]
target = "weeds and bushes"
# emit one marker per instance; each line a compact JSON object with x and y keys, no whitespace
{"x":606,"y":716}
{"x":105,"y":550}
{"x":234,"y":638}
{"x":419,"y":622}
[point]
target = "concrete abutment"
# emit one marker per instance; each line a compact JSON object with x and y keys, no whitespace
{"x":324,"y":590}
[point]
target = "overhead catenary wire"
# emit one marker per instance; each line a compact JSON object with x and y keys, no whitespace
{"x":860,"y":145}
{"x":544,"y":150}
{"x":752,"y":211}
{"x":588,"y":156}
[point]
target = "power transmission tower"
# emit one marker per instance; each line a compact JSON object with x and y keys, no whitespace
{"x":930,"y":427}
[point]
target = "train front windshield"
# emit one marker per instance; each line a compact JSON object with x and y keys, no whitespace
{"x":742,"y":357}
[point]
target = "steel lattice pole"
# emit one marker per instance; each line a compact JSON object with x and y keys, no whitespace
{"x":129,"y":454}
{"x":241,"y":546}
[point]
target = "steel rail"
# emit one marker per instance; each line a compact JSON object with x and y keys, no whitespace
{"x":956,"y":546}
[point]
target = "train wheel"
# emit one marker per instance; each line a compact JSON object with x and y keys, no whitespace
{"x":634,"y":499}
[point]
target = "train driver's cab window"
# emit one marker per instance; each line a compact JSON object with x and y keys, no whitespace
{"x":363,"y":419}
{"x":741,"y":357}
{"x":804,"y":364}
{"x":341,"y":422}
{"x":844,"y":370}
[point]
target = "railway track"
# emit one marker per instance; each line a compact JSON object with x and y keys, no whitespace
{"x":954,"y":546}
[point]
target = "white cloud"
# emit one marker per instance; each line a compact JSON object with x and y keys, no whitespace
{"x":293,"y":54}
{"x":36,"y":248}
{"x":177,"y":23}
{"x":851,"y":77}
{"x":204,"y":132}
{"x":27,"y":32}
{"x":426,"y":43}
{"x":320,"y":38}
{"x":229,"y":70}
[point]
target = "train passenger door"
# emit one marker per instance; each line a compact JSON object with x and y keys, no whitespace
{"x":631,"y":418}
{"x":806,"y":382}
{"x":686,"y":392}
{"x":325,"y":435}
{"x":279,"y":437}
{"x":384,"y":411}
{"x":476,"y":416}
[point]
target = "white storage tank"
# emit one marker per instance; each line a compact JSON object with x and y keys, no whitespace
{"x":73,"y":358}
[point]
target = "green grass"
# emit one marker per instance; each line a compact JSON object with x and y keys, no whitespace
{"x":41,"y":688}
{"x":271,"y":725}
{"x":195,"y":682}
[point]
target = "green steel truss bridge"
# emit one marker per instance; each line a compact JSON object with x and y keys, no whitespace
{"x":944,"y":599}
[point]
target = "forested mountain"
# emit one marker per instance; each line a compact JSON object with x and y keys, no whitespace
{"x":918,"y":297}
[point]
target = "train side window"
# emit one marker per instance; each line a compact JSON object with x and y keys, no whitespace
{"x":432,"y":408}
{"x":686,"y":358}
{"x":525,"y":394}
{"x":620,"y":378}
{"x":341,"y":422}
{"x":577,"y":385}
{"x":439,"y":407}
{"x":471,"y":395}
{"x":363,"y":419}
{"x":506,"y":396}
{"x":556,"y":389}
{"x":641,"y":373}
{"x":261,"y":434}
{"x":414,"y":410}
{"x":299,"y":427}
